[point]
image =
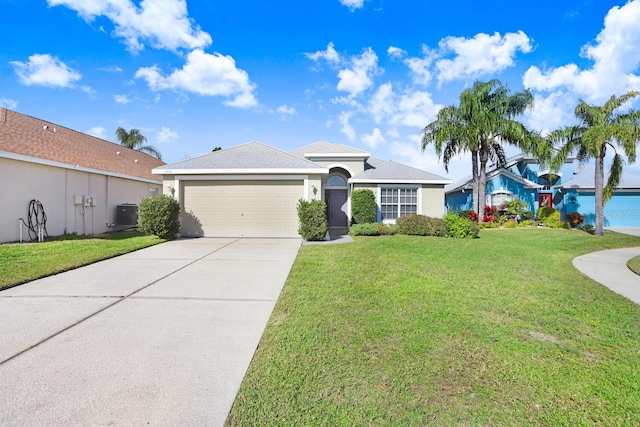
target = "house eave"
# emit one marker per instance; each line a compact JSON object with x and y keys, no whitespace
{"x":400,"y":181}
{"x":256,"y":171}
{"x":53,"y":163}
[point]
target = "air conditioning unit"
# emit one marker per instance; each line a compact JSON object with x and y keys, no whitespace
{"x":127,"y":214}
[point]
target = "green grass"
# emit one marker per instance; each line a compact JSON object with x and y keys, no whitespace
{"x":634,"y":264}
{"x":413,"y":331}
{"x":23,"y":262}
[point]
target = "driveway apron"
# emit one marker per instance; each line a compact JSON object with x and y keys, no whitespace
{"x":161,"y":336}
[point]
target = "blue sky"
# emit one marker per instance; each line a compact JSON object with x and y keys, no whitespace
{"x":193,"y":75}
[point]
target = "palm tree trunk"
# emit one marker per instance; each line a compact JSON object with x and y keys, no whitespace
{"x":474,"y":173}
{"x":599,"y":190}
{"x":482,"y":184}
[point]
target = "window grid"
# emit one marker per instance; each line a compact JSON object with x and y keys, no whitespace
{"x":397,"y":202}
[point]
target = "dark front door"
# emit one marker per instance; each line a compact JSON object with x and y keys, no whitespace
{"x":337,"y":208}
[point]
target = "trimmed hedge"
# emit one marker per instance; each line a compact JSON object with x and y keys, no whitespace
{"x":160,"y":216}
{"x":312,"y":219}
{"x":420,"y":225}
{"x":373,"y":229}
{"x":363,"y":206}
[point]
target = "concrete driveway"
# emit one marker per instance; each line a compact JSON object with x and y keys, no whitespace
{"x":161,"y":336}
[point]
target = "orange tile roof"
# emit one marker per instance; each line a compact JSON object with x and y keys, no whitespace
{"x":28,"y":136}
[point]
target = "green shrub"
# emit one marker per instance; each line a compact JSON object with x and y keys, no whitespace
{"x":587,"y":228}
{"x":527,"y":215}
{"x":545,"y":212}
{"x":489,"y":224}
{"x":527,"y":223}
{"x":510,"y":224}
{"x":553,"y":220}
{"x":420,"y":225}
{"x":160,"y":216}
{"x":470,"y":215}
{"x":312,"y":219}
{"x":366,"y":229}
{"x":363,"y":207}
{"x":460,"y":228}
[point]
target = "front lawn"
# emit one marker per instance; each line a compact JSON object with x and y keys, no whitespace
{"x":634,"y":264}
{"x":412,"y":331}
{"x":23,"y":262}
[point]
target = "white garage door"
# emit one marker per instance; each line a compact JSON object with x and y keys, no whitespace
{"x":241,"y":208}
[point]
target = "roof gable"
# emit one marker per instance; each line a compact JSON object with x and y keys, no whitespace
{"x":467,"y":182}
{"x":585,"y":179}
{"x":252,"y":156}
{"x":396,"y":172}
{"x":27,"y":138}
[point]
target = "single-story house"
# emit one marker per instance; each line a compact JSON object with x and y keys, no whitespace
{"x":79,"y":180}
{"x":252,"y":190}
{"x":622,"y":210}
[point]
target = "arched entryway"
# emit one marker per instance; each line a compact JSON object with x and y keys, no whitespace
{"x":336,"y":195}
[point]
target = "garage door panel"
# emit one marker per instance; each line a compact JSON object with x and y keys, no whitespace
{"x":242,"y":208}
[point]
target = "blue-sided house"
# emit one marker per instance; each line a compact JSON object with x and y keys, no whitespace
{"x":571,"y":189}
{"x":520,"y":178}
{"x":622,"y":210}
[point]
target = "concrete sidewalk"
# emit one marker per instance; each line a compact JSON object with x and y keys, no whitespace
{"x":161,"y":336}
{"x":610,"y":269}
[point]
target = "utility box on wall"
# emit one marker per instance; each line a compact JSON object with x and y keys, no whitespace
{"x":127,"y":214}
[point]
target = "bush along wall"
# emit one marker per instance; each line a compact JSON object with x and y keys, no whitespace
{"x":160,"y":216}
{"x":363,"y":206}
{"x":312,"y":219}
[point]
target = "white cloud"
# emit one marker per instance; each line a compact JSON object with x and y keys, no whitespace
{"x":414,"y":108}
{"x":8,"y":103}
{"x":421,"y":67}
{"x":207,"y":75}
{"x":166,"y":135}
{"x":357,"y":78}
{"x":347,"y":129}
{"x":615,"y":55}
{"x":395,"y":52}
{"x":45,"y":70}
{"x":98,"y":132}
{"x":483,"y":54}
{"x":121,"y":99}
{"x":374,"y":139}
{"x":352,"y":4}
{"x":329,"y":54}
{"x":165,"y":24}
{"x":381,"y":103}
{"x":113,"y":69}
{"x":550,"y":112}
{"x":285,"y":109}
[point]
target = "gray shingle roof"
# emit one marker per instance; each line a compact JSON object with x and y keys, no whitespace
{"x":585,"y":179}
{"x":393,"y":172}
{"x":322,"y":147}
{"x":253,"y":155}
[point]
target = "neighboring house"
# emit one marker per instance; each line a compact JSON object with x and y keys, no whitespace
{"x":622,"y":210}
{"x":253,"y":189}
{"x":569,"y":190}
{"x":521,"y":178}
{"x":79,"y":179}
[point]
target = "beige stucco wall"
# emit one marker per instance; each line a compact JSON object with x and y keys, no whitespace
{"x":355,"y":166}
{"x":433,"y":201}
{"x":315,"y":182}
{"x":55,"y":188}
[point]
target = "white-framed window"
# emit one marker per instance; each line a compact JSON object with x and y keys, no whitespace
{"x":397,"y":202}
{"x":153,"y":192}
{"x":501,"y":196}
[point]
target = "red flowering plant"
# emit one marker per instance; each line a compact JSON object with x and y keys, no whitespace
{"x":489,"y":214}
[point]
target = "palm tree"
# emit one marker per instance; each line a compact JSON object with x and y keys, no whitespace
{"x":135,"y":140}
{"x":600,"y":128}
{"x":482,"y":122}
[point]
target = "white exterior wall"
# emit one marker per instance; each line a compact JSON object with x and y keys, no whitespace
{"x":55,"y":187}
{"x":433,"y":201}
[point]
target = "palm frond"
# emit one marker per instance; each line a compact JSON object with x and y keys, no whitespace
{"x":615,"y":174}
